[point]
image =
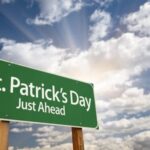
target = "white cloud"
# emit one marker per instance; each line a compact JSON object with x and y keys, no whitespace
{"x":28,"y":148}
{"x":117,"y":125}
{"x":49,"y":57}
{"x":104,"y":3}
{"x":19,"y":130}
{"x":49,"y":136}
{"x":101,"y":23}
{"x":131,"y":102}
{"x":52,"y":11}
{"x":139,"y":21}
{"x":66,"y":146}
{"x":22,"y":124}
{"x":11,"y":148}
{"x":110,"y":64}
{"x":141,"y":141}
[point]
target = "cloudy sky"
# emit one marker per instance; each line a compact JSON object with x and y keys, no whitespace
{"x":106,"y":42}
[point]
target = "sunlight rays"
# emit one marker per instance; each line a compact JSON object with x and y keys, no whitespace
{"x":18,"y":25}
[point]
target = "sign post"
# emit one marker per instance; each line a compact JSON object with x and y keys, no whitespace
{"x":77,"y":139}
{"x":31,"y":95}
{"x":4,"y":131}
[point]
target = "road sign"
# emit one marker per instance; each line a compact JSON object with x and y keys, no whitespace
{"x":35,"y":96}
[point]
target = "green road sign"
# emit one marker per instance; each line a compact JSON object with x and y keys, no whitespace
{"x":35,"y":96}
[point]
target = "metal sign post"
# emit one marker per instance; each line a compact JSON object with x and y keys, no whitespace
{"x":77,"y":139}
{"x":4,"y":131}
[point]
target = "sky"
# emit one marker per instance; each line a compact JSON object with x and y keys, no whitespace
{"x":104,"y":42}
